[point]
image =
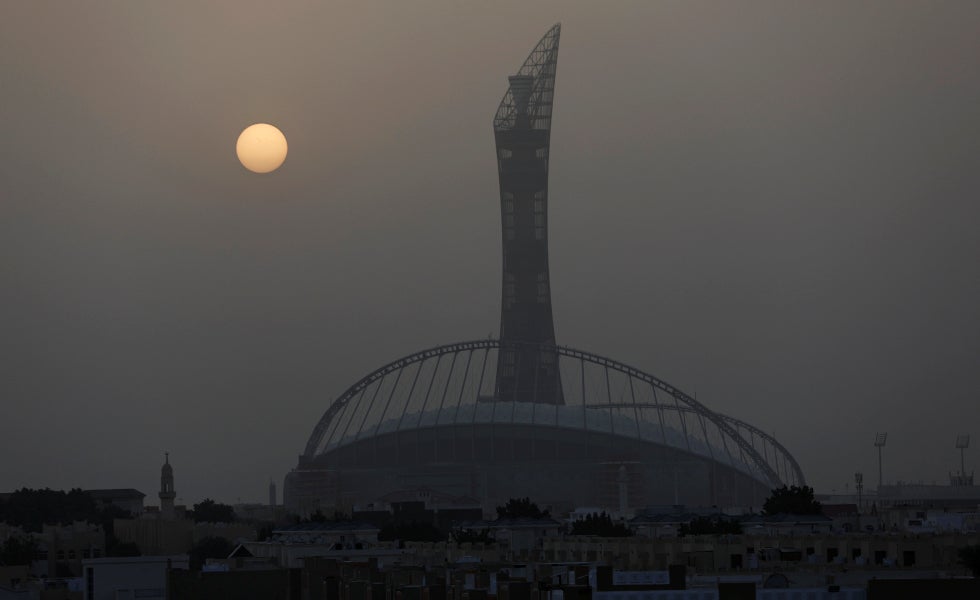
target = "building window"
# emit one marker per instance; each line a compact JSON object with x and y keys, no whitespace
{"x":508,"y":220}
{"x":539,"y":233}
{"x":71,"y":554}
{"x":542,"y":288}
{"x":541,"y":153}
{"x":510,"y":290}
{"x":505,"y":153}
{"x":508,"y":358}
{"x":508,"y":206}
{"x":539,"y":220}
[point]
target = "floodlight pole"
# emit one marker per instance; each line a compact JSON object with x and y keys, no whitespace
{"x":963,"y":442}
{"x":879,"y":468}
{"x":859,"y":482}
{"x":880,"y":439}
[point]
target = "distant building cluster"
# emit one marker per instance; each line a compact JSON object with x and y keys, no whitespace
{"x":430,"y":545}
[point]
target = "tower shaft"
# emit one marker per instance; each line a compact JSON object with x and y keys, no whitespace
{"x":527,"y":369}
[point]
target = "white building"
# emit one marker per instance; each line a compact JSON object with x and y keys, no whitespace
{"x":126,"y":578}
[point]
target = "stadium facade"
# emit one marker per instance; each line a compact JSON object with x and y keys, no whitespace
{"x":486,"y":420}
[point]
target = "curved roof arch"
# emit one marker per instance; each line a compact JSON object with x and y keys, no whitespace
{"x":453,"y":384}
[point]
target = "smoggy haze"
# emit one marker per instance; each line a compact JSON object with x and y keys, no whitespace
{"x":772,"y":205}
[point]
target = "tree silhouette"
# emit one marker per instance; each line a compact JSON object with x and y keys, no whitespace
{"x":209,"y":511}
{"x":600,"y":524}
{"x":472,"y":536}
{"x":710,"y":526}
{"x":521,"y":508}
{"x":795,"y":500}
{"x":32,"y":509}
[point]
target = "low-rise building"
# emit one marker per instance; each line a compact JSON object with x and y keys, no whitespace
{"x":143,"y":577}
{"x":289,"y":545}
{"x":788,"y":524}
{"x":62,"y":548}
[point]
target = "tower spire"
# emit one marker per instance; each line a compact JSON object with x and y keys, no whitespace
{"x":167,"y":492}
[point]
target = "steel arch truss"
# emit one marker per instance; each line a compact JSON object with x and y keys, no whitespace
{"x":452,"y":384}
{"x":540,"y":65}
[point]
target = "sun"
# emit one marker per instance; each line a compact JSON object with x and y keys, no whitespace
{"x":261,"y":148}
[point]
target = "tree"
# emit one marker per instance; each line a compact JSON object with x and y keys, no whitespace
{"x":209,"y":547}
{"x":521,"y":508}
{"x":600,"y":524}
{"x":472,"y":536}
{"x":970,"y":558}
{"x":795,"y":500}
{"x":209,"y":511}
{"x":32,"y":509}
{"x":317,"y":516}
{"x":710,"y":526}
{"x":18,"y":550}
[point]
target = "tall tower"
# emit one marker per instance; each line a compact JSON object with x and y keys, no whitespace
{"x":522,"y":131}
{"x":167,"y":493}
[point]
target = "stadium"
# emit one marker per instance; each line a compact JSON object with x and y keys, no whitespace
{"x":482,"y":421}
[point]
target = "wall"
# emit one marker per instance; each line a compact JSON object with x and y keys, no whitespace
{"x":142,"y":577}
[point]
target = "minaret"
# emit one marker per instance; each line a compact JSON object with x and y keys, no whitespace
{"x":527,"y":369}
{"x":167,"y":493}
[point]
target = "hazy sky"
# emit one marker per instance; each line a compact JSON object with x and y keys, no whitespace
{"x":771,"y":204}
